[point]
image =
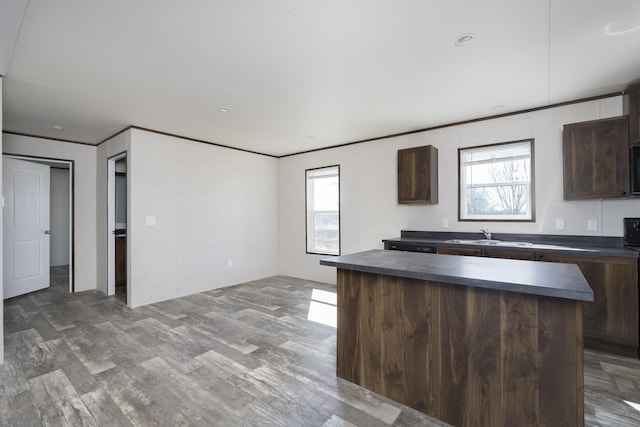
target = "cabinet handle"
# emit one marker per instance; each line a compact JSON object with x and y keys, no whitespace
{"x":622,"y":193}
{"x":540,"y":255}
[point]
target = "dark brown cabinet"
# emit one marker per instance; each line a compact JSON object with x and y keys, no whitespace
{"x":632,"y":108}
{"x":489,"y":253}
{"x":611,"y":320}
{"x":418,"y":175}
{"x":596,"y":159}
{"x":507,"y":254}
{"x":453,"y":250}
{"x":121,"y":264}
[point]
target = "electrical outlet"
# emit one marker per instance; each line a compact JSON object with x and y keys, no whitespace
{"x":559,"y":223}
{"x":592,"y":224}
{"x":445,"y":222}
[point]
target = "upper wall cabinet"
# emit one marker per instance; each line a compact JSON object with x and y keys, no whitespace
{"x":632,"y":108}
{"x":596,"y":159}
{"x":418,"y":175}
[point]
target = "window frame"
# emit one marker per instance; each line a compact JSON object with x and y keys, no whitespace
{"x":531,"y":216}
{"x":306,"y":212}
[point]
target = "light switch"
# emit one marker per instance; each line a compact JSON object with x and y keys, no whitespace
{"x":150,"y":220}
{"x":592,"y":224}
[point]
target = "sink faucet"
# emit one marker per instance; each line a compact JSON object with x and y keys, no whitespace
{"x":487,"y":234}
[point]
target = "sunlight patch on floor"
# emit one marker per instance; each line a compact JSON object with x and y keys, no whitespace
{"x":322,"y":308}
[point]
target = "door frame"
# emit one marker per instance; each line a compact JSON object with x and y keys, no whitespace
{"x":111,"y":225}
{"x":71,"y":165}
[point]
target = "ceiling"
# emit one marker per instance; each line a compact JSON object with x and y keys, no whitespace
{"x":298,"y":75}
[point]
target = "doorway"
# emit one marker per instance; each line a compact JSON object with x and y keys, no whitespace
{"x":56,"y":224}
{"x":117,"y":227}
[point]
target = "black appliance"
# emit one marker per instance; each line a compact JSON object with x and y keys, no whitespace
{"x":635,"y":170}
{"x":632,"y":232}
{"x":408,"y":247}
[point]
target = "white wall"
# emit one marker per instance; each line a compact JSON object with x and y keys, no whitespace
{"x":210,"y":205}
{"x":1,"y":254}
{"x":60,"y":215}
{"x":369,"y":211}
{"x":84,"y":177}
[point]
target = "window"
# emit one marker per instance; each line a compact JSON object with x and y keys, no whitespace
{"x":496,"y":182}
{"x":323,"y":210}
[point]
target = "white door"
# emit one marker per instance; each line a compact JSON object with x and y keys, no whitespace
{"x":26,"y":234}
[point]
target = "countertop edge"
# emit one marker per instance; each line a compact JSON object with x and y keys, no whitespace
{"x":573,"y":294}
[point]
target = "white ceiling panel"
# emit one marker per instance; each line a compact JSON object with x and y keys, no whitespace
{"x":595,"y":47}
{"x":300,"y":75}
{"x":11,"y":13}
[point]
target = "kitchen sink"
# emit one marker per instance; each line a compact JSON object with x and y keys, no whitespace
{"x":501,"y":243}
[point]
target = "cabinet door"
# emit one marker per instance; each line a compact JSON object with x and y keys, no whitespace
{"x":121,"y":263}
{"x":632,"y":108}
{"x":596,"y":159}
{"x":452,"y":250}
{"x":613,"y":315}
{"x":418,"y":175}
{"x":509,"y":254}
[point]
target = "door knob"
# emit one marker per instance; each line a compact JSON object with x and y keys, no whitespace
{"x":47,"y":232}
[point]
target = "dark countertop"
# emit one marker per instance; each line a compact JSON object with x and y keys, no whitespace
{"x":535,"y":278}
{"x":591,"y":246}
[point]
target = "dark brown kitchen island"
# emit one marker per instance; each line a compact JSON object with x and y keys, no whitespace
{"x":470,"y":341}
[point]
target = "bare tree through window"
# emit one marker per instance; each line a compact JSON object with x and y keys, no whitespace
{"x":496,"y":182}
{"x":510,"y":197}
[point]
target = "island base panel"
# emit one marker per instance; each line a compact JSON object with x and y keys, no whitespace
{"x":468,"y":356}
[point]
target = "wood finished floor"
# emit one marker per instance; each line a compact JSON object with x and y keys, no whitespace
{"x":243,"y":355}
